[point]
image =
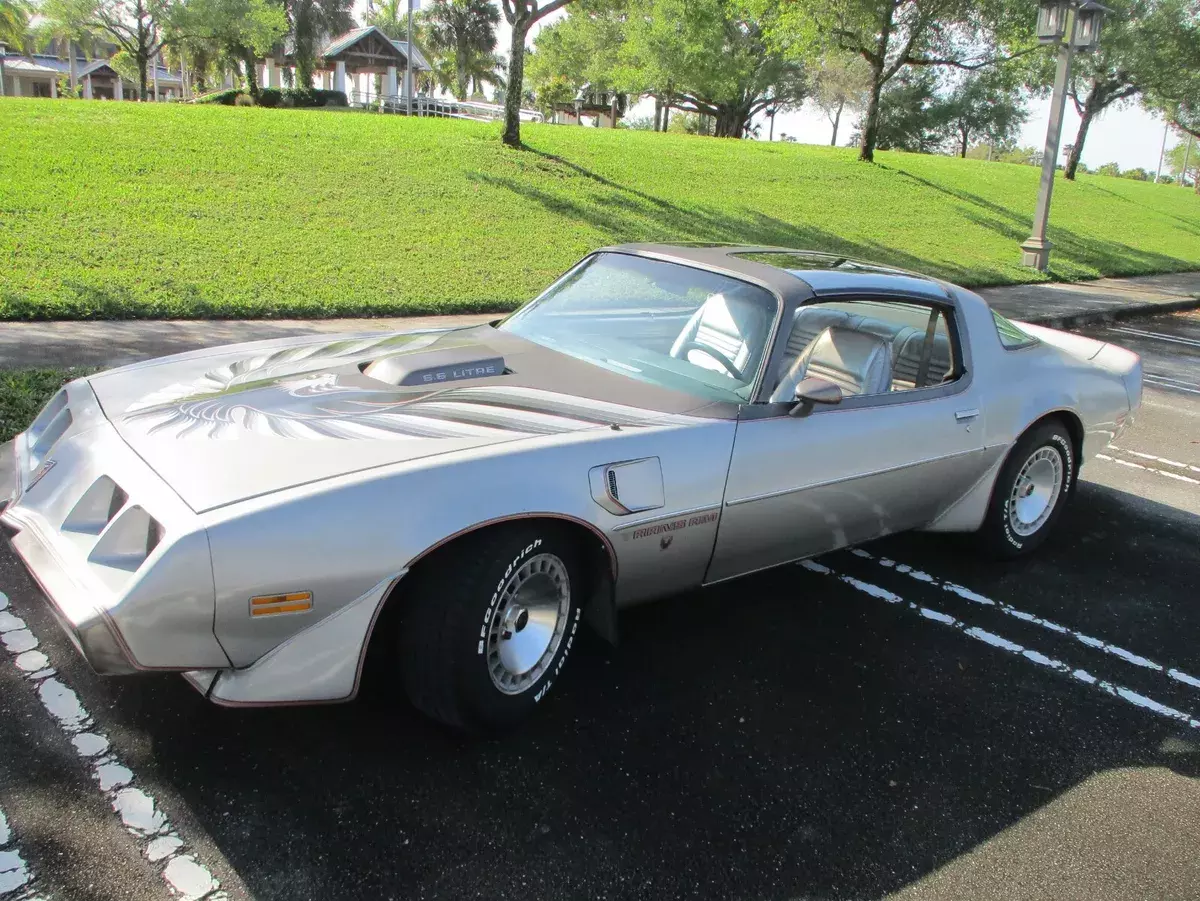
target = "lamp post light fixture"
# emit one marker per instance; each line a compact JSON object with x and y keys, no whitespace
{"x":1070,"y":25}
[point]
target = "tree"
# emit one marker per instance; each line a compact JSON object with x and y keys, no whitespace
{"x":242,"y":30}
{"x":840,"y":82}
{"x":697,"y":56}
{"x":982,"y":106}
{"x":1128,"y":62}
{"x":310,"y":21}
{"x":14,"y":24}
{"x":583,"y":47}
{"x":715,"y":60}
{"x":892,"y":35}
{"x":911,"y":116}
{"x":139,"y":27}
{"x":521,"y":15}
{"x":65,"y":34}
{"x":466,"y":31}
{"x":1177,"y":96}
{"x":1138,"y":174}
{"x":1110,"y":169}
{"x":1184,"y":159}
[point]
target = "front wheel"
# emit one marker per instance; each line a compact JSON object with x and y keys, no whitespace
{"x":489,"y":624}
{"x":1031,"y":491}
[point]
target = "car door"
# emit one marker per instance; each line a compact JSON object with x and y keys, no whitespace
{"x":870,"y":466}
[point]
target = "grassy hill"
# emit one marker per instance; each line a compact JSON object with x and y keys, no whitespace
{"x":110,"y":210}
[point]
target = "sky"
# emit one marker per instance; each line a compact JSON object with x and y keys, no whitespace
{"x":1131,"y":137}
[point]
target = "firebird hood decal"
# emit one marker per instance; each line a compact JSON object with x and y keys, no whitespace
{"x":221,"y":428}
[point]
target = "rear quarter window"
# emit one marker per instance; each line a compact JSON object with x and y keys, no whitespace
{"x":1011,"y":336}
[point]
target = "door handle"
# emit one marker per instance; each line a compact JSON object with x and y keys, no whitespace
{"x":964,"y":415}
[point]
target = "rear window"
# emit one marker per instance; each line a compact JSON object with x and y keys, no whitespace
{"x":1011,"y":336}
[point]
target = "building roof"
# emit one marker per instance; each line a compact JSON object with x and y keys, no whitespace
{"x":42,"y":64}
{"x":345,"y":43}
{"x":23,"y":65}
{"x":418,"y":58}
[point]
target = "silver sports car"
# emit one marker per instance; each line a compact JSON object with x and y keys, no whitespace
{"x":460,"y":501}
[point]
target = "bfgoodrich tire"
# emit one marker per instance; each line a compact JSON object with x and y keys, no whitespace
{"x":488,"y":625}
{"x":1031,"y":491}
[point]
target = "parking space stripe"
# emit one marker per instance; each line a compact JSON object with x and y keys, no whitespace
{"x":15,"y":876}
{"x":1161,"y":472}
{"x":187,"y":878}
{"x":1162,"y":460}
{"x":990,"y":638}
{"x":1159,"y":381}
{"x":1009,"y":610}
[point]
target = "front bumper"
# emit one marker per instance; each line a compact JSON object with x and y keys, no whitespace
{"x":122,"y":561}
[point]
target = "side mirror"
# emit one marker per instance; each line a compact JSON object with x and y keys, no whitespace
{"x":812,"y":391}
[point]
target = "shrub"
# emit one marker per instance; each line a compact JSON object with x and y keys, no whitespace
{"x":226,"y":97}
{"x":314,"y":97}
{"x":270,"y":97}
{"x":243,"y":100}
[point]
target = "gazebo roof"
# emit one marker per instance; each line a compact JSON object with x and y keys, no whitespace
{"x":369,"y":46}
{"x":99,"y":67}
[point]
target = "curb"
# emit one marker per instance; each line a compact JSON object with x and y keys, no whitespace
{"x":1115,"y":314}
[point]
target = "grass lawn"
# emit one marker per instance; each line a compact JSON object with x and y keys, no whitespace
{"x":164,"y":210}
{"x":23,"y":393}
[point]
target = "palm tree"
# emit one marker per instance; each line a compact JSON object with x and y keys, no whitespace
{"x":311,"y":21}
{"x":14,"y":24}
{"x":465,"y":29}
{"x":65,"y":31}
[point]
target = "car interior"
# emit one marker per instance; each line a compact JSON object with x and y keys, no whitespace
{"x":867,"y":347}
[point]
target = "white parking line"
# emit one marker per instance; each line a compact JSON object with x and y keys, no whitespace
{"x":1011,"y":647}
{"x":1162,"y":460}
{"x":1161,"y":381}
{"x":1161,"y":472}
{"x":187,"y":878}
{"x":14,"y":872}
{"x":1158,"y":336}
{"x":1006,"y":608}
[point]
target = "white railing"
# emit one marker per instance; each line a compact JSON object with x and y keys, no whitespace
{"x":432,"y":106}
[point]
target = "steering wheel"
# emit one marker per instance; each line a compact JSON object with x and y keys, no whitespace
{"x":715,"y":354}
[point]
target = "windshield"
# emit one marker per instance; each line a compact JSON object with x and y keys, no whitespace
{"x":672,"y":325}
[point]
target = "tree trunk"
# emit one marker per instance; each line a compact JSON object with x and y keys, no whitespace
{"x":460,"y":69}
{"x":516,"y":84}
{"x":866,"y":150}
{"x":1085,"y":122}
{"x":731,"y":121}
{"x":966,"y":139}
{"x":74,"y":67}
{"x":251,"y":74}
{"x":837,"y":119}
{"x":658,"y":108}
{"x":143,"y":81}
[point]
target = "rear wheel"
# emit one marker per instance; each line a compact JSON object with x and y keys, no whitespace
{"x":1031,"y":491}
{"x":488,"y":625}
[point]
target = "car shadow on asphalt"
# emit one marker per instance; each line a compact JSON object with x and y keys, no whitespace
{"x":778,"y":736}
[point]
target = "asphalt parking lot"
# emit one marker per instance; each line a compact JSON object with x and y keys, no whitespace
{"x":906,"y":719}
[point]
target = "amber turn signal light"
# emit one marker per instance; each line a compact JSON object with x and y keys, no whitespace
{"x":269,"y":605}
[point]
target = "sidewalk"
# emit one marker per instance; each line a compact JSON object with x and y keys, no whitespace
{"x":24,"y":344}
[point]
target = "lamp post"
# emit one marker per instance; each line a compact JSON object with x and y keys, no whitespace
{"x":1070,"y":25}
{"x":408,"y":54}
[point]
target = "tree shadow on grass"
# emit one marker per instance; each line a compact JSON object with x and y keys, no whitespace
{"x":1089,"y":252}
{"x":626,"y":214}
{"x":1189,"y":225}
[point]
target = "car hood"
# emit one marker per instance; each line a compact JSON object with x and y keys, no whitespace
{"x":229,"y":424}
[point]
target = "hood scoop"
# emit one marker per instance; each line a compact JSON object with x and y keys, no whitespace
{"x":435,"y":366}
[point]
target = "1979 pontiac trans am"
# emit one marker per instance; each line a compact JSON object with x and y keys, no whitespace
{"x":462,"y":501}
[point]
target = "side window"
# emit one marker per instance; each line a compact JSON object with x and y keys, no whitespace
{"x":870,"y":347}
{"x":1011,"y":335}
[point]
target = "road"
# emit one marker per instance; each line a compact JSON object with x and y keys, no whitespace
{"x":906,"y":719}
